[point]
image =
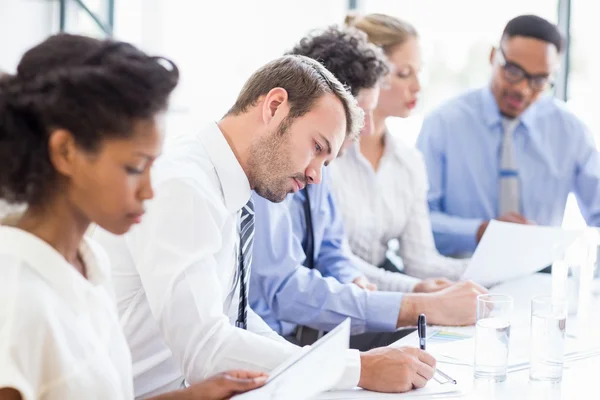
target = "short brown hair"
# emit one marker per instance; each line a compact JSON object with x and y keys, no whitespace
{"x":383,"y":30}
{"x":305,"y":81}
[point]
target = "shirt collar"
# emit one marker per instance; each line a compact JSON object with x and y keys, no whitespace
{"x":393,"y":146}
{"x":52,"y":266}
{"x":233,"y":179}
{"x":491,"y":112}
{"x":391,"y":149}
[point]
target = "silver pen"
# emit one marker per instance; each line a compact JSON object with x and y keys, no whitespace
{"x":447,"y":377}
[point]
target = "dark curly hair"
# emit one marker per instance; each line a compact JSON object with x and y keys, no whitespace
{"x":347,"y":54}
{"x":95,"y":89}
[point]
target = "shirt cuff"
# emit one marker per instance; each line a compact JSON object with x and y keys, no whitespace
{"x":351,"y":376}
{"x":382,"y":311}
{"x":9,"y":378}
{"x":350,"y":277}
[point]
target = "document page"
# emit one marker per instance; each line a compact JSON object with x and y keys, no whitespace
{"x":310,"y":372}
{"x":508,"y":251}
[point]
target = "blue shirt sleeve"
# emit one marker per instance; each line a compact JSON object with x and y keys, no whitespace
{"x":282,"y":289}
{"x":587,"y":178}
{"x":453,"y":235}
{"x":332,"y":260}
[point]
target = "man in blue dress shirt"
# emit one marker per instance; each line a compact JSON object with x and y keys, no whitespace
{"x":509,"y":151}
{"x":289,"y":288}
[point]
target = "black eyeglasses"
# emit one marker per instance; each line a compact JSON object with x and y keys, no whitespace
{"x":514,"y":73}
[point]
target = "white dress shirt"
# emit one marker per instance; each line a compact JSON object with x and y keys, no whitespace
{"x":390,"y":203}
{"x":176,"y":274}
{"x":59,"y":332}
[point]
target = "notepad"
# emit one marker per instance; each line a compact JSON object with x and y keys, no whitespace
{"x":322,"y":365}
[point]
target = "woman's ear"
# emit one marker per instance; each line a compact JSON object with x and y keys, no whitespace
{"x":62,"y":151}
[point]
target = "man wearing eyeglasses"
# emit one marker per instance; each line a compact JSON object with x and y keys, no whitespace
{"x":509,"y":151}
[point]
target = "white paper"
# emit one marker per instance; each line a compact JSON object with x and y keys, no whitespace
{"x":432,"y":388}
{"x":462,"y":352}
{"x":508,"y":251}
{"x":310,"y":372}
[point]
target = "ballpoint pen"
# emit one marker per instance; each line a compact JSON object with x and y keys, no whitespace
{"x":422,"y":331}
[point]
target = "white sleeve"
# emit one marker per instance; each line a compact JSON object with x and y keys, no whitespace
{"x":386,"y":281}
{"x":260,"y":327}
{"x":175,"y":251}
{"x":11,"y":377}
{"x":23,"y":340}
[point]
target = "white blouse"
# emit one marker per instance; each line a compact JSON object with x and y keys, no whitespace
{"x":390,"y":203}
{"x":60,"y":336}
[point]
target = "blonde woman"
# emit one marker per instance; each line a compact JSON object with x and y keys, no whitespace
{"x":380,"y":183}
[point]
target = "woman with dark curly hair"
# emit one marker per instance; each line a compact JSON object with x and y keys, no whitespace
{"x":381,"y":183}
{"x":358,"y":64}
{"x":78,"y":135}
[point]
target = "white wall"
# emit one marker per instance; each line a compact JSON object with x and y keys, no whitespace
{"x":23,"y":24}
{"x":217,"y":44}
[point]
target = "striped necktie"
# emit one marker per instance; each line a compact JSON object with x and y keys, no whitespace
{"x":245,"y":261}
{"x":510,"y":199}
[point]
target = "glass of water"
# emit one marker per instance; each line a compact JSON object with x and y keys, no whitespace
{"x":548,"y":326}
{"x":492,"y":336}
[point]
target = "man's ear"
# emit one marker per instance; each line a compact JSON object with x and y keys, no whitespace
{"x":276,"y":101}
{"x":492,"y":55}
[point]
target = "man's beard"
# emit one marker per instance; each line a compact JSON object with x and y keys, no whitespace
{"x":269,"y":166}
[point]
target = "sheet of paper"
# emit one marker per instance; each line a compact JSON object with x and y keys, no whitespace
{"x":508,"y":251}
{"x":432,"y":388}
{"x":310,"y":372}
{"x":462,"y":352}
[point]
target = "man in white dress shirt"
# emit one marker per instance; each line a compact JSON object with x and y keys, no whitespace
{"x":180,"y":276}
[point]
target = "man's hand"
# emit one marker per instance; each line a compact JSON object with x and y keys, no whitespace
{"x":432,"y":285}
{"x":221,"y":387}
{"x":395,"y":370}
{"x":364,"y":283}
{"x":455,"y":305}
{"x":513,"y":217}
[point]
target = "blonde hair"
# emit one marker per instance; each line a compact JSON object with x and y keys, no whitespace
{"x":382,"y":30}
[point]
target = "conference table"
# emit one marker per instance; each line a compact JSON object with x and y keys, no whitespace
{"x":581,"y":377}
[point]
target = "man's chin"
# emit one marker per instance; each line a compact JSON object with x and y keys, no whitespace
{"x":272,"y":196}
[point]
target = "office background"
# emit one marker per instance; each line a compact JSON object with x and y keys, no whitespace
{"x":218,"y":43}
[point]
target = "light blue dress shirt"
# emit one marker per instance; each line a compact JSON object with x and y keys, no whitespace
{"x":461,"y":144}
{"x":286,"y":294}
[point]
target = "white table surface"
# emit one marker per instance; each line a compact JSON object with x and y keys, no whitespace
{"x":581,"y":379}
